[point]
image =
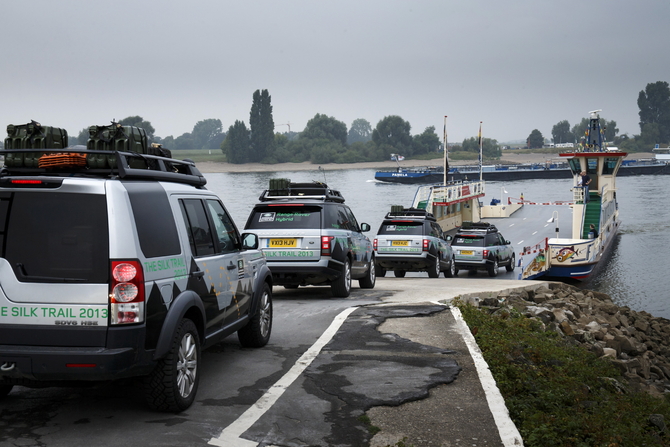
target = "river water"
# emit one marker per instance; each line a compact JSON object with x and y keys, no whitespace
{"x":636,"y":275}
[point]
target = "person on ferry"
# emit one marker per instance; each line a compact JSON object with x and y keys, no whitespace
{"x":593,"y":231}
{"x":586,"y":180}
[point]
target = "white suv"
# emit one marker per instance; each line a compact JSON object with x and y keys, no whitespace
{"x":122,"y":272}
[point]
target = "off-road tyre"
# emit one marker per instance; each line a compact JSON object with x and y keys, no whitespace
{"x":256,"y":333}
{"x":173,"y":384}
{"x":493,"y":268}
{"x":341,"y":287}
{"x":510,"y":267}
{"x":434,"y":270}
{"x":368,"y":281}
{"x":452,"y":270}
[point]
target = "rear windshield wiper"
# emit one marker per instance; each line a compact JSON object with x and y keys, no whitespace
{"x":23,"y":275}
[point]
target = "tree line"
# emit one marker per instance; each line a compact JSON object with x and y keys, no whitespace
{"x":328,"y":140}
{"x":654,"y":111}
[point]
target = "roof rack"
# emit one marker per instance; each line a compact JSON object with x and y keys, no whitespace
{"x":125,"y":165}
{"x":284,"y":189}
{"x":409,"y":213}
{"x":478,"y":226}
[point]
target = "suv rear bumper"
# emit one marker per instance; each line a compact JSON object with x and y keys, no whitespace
{"x":408,"y":263}
{"x":61,"y":356}
{"x":286,"y":274}
{"x":463,"y":265}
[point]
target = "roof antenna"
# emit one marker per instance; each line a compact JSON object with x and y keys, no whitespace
{"x":324,"y":174}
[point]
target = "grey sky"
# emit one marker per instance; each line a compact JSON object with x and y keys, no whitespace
{"x":516,"y":65}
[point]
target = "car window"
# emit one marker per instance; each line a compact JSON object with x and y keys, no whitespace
{"x":289,"y":217}
{"x":401,"y":228}
{"x":343,"y":218}
{"x":50,"y":236}
{"x":435,"y":230}
{"x":467,"y":239}
{"x":353,"y":224}
{"x":224,"y":228}
{"x":197,"y":226}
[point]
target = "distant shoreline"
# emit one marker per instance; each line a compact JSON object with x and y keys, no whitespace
{"x":209,"y":167}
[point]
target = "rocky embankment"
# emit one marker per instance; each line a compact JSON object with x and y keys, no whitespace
{"x":635,"y":342}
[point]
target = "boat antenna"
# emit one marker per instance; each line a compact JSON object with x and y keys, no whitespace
{"x":324,"y":174}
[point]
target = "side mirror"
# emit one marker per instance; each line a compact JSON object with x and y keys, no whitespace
{"x":365,"y":227}
{"x":249,"y":241}
{"x":448,"y":237}
{"x":507,"y":242}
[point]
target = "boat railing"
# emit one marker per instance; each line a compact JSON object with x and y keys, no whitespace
{"x":426,"y":196}
{"x":578,"y":193}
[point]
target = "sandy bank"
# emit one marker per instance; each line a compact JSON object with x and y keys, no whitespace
{"x":508,"y":157}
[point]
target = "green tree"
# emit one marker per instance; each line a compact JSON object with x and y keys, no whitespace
{"x":138,"y":121}
{"x":207,"y":134}
{"x":236,"y":145}
{"x":654,"y":104}
{"x":185,"y":141}
{"x":490,"y":147}
{"x":561,"y":133}
{"x":535,"y":140}
{"x":426,"y":142}
{"x":359,"y":132}
{"x":323,"y":127}
{"x":393,"y":132}
{"x":82,"y":138}
{"x":262,"y":127}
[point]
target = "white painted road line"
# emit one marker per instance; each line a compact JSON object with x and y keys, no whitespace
{"x":230,"y":437}
{"x":508,"y":432}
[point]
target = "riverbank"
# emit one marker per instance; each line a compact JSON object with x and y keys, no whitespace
{"x":507,"y":157}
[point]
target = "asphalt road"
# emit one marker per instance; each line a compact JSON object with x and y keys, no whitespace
{"x":327,"y":363}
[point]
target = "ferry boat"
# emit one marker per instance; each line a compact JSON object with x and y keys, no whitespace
{"x":453,"y":203}
{"x":595,"y":215}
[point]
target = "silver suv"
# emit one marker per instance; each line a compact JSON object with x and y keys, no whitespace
{"x":410,"y":240}
{"x":479,"y":246}
{"x":121,"y":272}
{"x":310,"y":237}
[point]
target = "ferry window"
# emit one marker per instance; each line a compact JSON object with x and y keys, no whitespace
{"x":574,"y":165}
{"x":610,"y":164}
{"x":592,"y":165}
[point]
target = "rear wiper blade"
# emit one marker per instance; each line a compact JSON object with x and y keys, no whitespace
{"x":24,"y":275}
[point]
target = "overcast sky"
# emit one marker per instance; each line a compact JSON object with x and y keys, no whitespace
{"x":516,"y":65}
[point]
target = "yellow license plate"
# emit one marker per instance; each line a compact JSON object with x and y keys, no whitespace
{"x":399,"y":243}
{"x":284,"y":243}
{"x":467,"y":252}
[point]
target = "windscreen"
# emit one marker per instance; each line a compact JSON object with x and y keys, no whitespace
{"x":285,"y":217}
{"x":56,"y":237}
{"x":468,"y":240}
{"x":400,"y":228}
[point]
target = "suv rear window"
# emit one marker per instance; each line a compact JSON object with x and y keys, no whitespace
{"x":468,"y":239}
{"x":289,"y":217}
{"x":391,"y":227}
{"x":50,"y":237}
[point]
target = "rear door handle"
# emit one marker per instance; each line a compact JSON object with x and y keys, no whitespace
{"x":198,"y":274}
{"x":231,"y":266}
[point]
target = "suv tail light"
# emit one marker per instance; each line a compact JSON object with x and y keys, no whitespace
{"x":326,"y":245}
{"x":375,"y":244}
{"x":426,"y":244}
{"x":126,"y":292}
{"x":485,"y":253}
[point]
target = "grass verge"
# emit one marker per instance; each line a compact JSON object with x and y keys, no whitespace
{"x":559,"y":394}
